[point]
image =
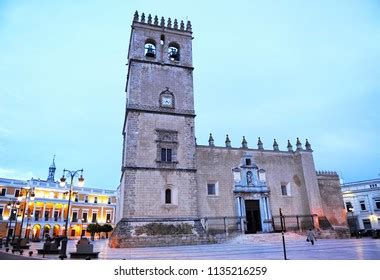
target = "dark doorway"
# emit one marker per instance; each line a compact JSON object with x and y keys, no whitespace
{"x":252,"y":208}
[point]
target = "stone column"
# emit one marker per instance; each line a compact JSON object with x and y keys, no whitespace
{"x":52,"y":214}
{"x":34,"y":211}
{"x":43,"y":212}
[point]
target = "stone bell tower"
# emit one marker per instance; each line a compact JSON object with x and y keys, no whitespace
{"x":158,"y":164}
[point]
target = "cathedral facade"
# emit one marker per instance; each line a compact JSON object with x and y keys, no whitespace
{"x":168,"y":177}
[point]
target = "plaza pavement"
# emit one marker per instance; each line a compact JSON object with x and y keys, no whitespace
{"x":242,"y":248}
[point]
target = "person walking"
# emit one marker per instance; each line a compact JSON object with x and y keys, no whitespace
{"x":311,"y":237}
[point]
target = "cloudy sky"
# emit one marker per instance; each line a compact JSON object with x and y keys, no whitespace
{"x":274,"y":69}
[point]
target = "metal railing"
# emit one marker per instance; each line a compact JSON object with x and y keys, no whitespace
{"x":293,"y":222}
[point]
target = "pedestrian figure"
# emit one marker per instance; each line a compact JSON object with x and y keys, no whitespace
{"x":311,"y":236}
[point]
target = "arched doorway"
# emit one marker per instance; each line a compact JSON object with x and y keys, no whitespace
{"x":46,"y":230}
{"x":56,"y":229}
{"x":36,"y":231}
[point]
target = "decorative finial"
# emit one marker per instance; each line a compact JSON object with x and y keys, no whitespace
{"x":136,"y":16}
{"x":182,"y":26}
{"x":228,"y":142}
{"x":162,"y":23}
{"x":143,"y":18}
{"x":149,"y":19}
{"x":299,"y":145}
{"x":275,"y":145}
{"x":244,"y":143}
{"x":211,"y":141}
{"x":260,"y":145}
{"x":175,"y":24}
{"x":169,"y":23}
{"x":155,"y":20}
{"x":308,"y":146}
{"x":188,"y":26}
{"x":290,"y":147}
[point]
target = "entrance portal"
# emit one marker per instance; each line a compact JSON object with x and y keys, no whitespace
{"x":252,"y":212}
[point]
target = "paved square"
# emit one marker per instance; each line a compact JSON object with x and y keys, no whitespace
{"x":245,"y":249}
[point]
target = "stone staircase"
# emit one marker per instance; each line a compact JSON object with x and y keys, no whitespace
{"x":263,"y":238}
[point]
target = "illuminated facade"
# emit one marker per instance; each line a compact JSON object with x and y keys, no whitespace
{"x":46,"y":208}
{"x":362,"y":201}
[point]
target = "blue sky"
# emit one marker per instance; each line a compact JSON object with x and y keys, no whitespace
{"x":274,"y":69}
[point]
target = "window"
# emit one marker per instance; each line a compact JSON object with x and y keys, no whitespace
{"x":285,"y":189}
{"x":75,"y":217}
{"x":362,"y":205}
{"x":247,"y":161}
{"x":377,"y":204}
{"x":1,"y":213}
{"x":373,"y":186}
{"x":46,"y":216}
{"x":76,"y":198}
{"x":84,"y":217}
{"x":167,"y":142}
{"x":349,"y":207}
{"x":17,"y":193}
{"x":150,"y":48}
{"x":94,"y":217}
{"x":86,"y":199}
{"x":211,"y":189}
{"x":109,"y":200}
{"x":166,"y":155}
{"x":56,"y":215}
{"x":173,"y":52}
{"x":3,"y":192}
{"x":367,"y":224}
{"x":168,"y":196}
{"x":108,"y":218}
{"x":95,"y":199}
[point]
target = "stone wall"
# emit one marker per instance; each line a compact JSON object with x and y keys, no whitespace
{"x":124,"y":235}
{"x":332,"y":198}
{"x":215,"y":164}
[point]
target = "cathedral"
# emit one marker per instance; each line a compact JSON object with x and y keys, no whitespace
{"x":167,"y":178}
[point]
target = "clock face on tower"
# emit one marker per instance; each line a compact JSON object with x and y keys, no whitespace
{"x":167,"y":101}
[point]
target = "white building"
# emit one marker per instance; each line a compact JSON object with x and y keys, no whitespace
{"x":362,"y":201}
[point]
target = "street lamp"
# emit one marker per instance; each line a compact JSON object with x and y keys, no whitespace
{"x":29,"y":193}
{"x":62,"y":183}
{"x":13,"y":206}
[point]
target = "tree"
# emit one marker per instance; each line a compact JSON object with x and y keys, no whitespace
{"x":92,"y":229}
{"x":107,"y":228}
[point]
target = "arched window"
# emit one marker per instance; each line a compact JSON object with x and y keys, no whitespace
{"x":168,"y":196}
{"x":150,"y":48}
{"x":174,"y":52}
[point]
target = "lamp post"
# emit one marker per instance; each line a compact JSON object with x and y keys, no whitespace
{"x":13,"y":206}
{"x":72,"y":175}
{"x":29,"y":193}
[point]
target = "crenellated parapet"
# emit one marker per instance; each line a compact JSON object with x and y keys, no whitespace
{"x":260,"y":145}
{"x":163,"y":23}
{"x":326,"y":173}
